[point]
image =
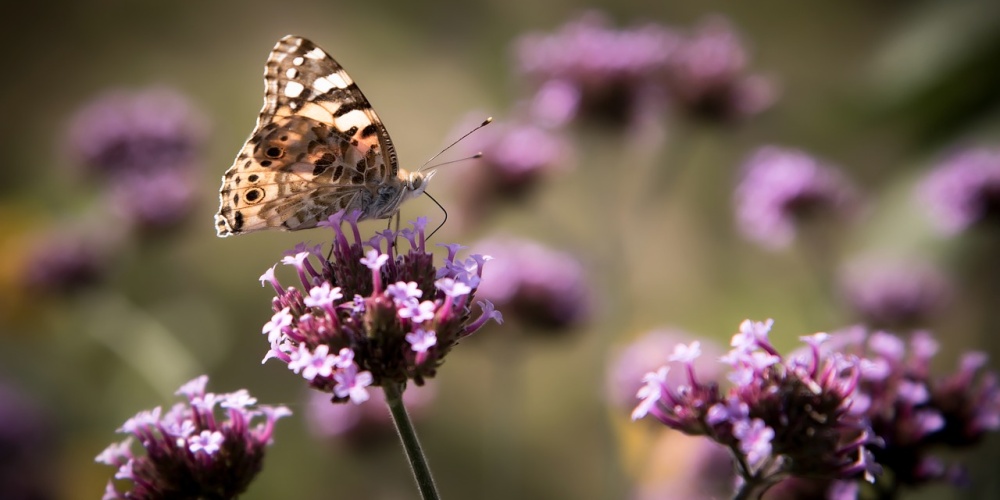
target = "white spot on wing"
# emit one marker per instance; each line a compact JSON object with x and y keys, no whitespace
{"x":293,"y":89}
{"x":315,"y":53}
{"x":292,"y":73}
{"x":298,"y":61}
{"x":322,"y":85}
{"x":339,"y":79}
{"x":356,"y":118}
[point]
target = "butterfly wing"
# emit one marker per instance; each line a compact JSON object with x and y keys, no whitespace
{"x":318,"y":147}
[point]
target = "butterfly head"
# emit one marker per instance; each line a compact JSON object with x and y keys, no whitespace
{"x":416,"y":183}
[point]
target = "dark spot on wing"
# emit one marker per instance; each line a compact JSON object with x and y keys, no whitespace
{"x":254,"y":195}
{"x":237,"y":221}
{"x":369,"y":131}
{"x":253,"y":178}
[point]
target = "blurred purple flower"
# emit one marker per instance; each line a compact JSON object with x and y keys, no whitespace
{"x":782,"y":417}
{"x":646,"y":354}
{"x":591,"y":70}
{"x":963,"y":190}
{"x":915,"y":412}
{"x":153,"y":201}
{"x":517,"y":156}
{"x":894,"y":294}
{"x":781,"y":188}
{"x":27,"y":446}
{"x":138,"y":132}
{"x":64,"y":262}
{"x":707,"y":75}
{"x":357,"y":326}
{"x":361,"y":424}
{"x":541,"y":287}
{"x":190,"y":451}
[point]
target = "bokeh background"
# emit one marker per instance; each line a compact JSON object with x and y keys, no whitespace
{"x":883,"y":89}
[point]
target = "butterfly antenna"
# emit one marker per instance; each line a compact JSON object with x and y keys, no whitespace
{"x":473,"y":157}
{"x":486,"y":122}
{"x":442,"y":210}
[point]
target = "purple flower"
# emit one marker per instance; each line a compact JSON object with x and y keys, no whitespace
{"x":192,"y":451}
{"x":646,"y":354}
{"x":707,"y":75}
{"x":28,"y":441}
{"x":791,"y":417}
{"x":517,"y":156}
{"x":963,"y":190}
{"x":137,"y":132}
{"x":915,"y":412}
{"x":381,"y":333}
{"x":153,"y":201}
{"x":893,"y":293}
{"x":64,"y":262}
{"x":588,"y":69}
{"x":539,"y":286}
{"x":781,"y":188}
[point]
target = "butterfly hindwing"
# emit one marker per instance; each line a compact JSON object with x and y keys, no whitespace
{"x":317,"y":147}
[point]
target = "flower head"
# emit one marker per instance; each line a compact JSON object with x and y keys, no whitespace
{"x":915,"y":412}
{"x":28,"y":444}
{"x":65,"y":262}
{"x":137,"y":132}
{"x":517,"y":156}
{"x":964,"y":190}
{"x":191,"y":450}
{"x":893,"y":293}
{"x":589,"y":69}
{"x":783,"y":416}
{"x":540,"y":286}
{"x":646,"y":354}
{"x":707,"y":75}
{"x":782,"y":187}
{"x":372,"y":314}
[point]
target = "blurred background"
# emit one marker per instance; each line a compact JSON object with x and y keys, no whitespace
{"x":114,"y":289}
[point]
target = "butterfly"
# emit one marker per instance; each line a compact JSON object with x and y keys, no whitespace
{"x":318,"y":147}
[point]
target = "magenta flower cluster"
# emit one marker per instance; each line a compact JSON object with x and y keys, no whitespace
{"x":915,"y":412}
{"x":372,"y":314}
{"x":963,"y":190}
{"x":192,"y":452}
{"x":780,"y":187}
{"x":588,"y":68}
{"x":783,"y":417}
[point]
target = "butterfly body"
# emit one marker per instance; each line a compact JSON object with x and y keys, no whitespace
{"x":318,"y":147}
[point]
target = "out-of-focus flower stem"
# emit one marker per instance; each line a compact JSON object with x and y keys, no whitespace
{"x":408,"y":436}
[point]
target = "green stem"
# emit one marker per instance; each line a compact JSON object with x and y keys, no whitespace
{"x":408,"y":436}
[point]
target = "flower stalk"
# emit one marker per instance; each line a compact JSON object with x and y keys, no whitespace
{"x":411,"y":444}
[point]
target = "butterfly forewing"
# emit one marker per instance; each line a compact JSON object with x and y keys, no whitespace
{"x":318,"y":147}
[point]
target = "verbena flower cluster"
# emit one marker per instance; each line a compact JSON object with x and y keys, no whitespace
{"x":782,"y":417}
{"x":372,"y":314}
{"x":780,"y":187}
{"x":542,"y":287}
{"x":144,"y":147}
{"x":589,"y":69}
{"x":915,"y":412}
{"x":192,"y":451}
{"x":894,"y":293}
{"x":964,"y":190}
